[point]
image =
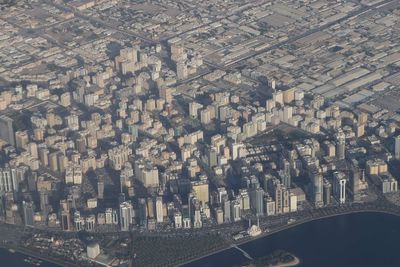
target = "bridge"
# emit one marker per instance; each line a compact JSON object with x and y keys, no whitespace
{"x":243,"y":252}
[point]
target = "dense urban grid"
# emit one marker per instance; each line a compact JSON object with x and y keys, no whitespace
{"x":185,"y":127}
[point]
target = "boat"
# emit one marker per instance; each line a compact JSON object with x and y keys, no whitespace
{"x":11,"y":250}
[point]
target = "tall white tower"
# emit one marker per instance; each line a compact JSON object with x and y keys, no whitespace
{"x":340,"y":186}
{"x":159,"y":210}
{"x":340,"y":145}
{"x":397,"y":147}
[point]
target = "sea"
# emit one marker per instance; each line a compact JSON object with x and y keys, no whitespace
{"x":352,"y":240}
{"x":16,"y":259}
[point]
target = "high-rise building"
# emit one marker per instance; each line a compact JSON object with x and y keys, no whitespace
{"x":65,"y":220}
{"x":150,"y":208}
{"x":8,"y":180}
{"x":286,"y":200}
{"x":397,"y":147}
{"x":181,"y":70}
{"x":286,"y":178}
{"x":142,"y":212}
{"x":221,"y":194}
{"x":166,"y":93}
{"x":21,"y":140}
{"x":356,"y":182}
{"x":7,"y":130}
{"x":226,"y":207}
{"x":100,"y":187}
{"x":293,"y":202}
{"x":79,"y":221}
{"x":236,"y":210}
{"x":2,"y":208}
{"x":53,"y":163}
{"x":178,"y":219}
{"x":270,"y":206}
{"x":339,"y":186}
{"x":62,"y":161}
{"x":194,"y":109}
{"x":201,"y":190}
{"x":340,"y":145}
{"x":212,"y":157}
{"x":318,"y":190}
{"x":28,"y":213}
{"x":259,"y":201}
{"x":279,"y":190}
{"x":244,"y":199}
{"x":90,"y":223}
{"x":44,"y":203}
{"x":205,"y":116}
{"x":44,"y":156}
{"x":197,"y":222}
{"x":159,"y":210}
{"x":38,"y":134}
{"x":118,"y":156}
{"x":33,"y":150}
{"x":125,"y":215}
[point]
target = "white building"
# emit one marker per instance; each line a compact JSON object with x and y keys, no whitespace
{"x":339,"y":186}
{"x":397,"y":147}
{"x":159,"y":210}
{"x":93,"y":250}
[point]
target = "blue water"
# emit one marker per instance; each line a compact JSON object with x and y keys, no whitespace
{"x":8,"y":259}
{"x":363,"y":239}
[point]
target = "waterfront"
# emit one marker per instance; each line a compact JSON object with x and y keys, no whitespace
{"x":362,"y":239}
{"x":17,"y":259}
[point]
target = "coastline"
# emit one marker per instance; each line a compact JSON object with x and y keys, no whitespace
{"x":288,"y":226}
{"x":59,"y":262}
{"x":294,"y":262}
{"x":30,"y":253}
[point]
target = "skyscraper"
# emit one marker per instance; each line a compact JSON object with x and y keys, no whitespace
{"x":142,"y":212}
{"x":339,"y":186}
{"x":100,"y":187}
{"x":212,"y":157}
{"x":259,"y":201}
{"x":327,"y":192}
{"x":125,"y":215}
{"x":236,"y":211}
{"x":44,"y":202}
{"x":2,"y":208}
{"x":21,"y":140}
{"x":397,"y":147}
{"x":356,"y":180}
{"x":159,"y":210}
{"x":278,"y":198}
{"x":318,"y":190}
{"x":340,"y":145}
{"x":7,"y":130}
{"x":65,"y":220}
{"x":28,"y":213}
{"x":226,"y":205}
{"x":201,"y":190}
{"x":150,"y":207}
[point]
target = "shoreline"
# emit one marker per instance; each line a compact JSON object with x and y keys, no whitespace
{"x":286,"y":227}
{"x":29,"y":253}
{"x":296,"y":261}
